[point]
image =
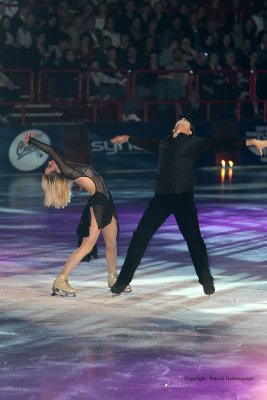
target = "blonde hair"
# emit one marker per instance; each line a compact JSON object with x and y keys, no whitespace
{"x":57,"y":190}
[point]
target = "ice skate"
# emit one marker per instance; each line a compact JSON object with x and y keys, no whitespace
{"x":61,"y":286}
{"x":112,"y":279}
{"x":208,"y":288}
{"x":118,"y":288}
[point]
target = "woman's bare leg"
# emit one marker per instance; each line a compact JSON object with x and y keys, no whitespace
{"x":110,"y":238}
{"x":61,"y":282}
{"x":87,"y":245}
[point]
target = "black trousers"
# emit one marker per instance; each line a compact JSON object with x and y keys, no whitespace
{"x":182,"y":206}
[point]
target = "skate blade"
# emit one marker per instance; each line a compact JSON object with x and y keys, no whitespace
{"x":125,"y":291}
{"x":115,"y":294}
{"x":57,"y":292}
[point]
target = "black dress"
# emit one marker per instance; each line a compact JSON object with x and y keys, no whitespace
{"x":101,"y":202}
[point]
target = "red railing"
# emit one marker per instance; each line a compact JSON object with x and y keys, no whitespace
{"x":72,"y":87}
{"x":249,"y":86}
{"x":250,"y":76}
{"x":160,"y":76}
{"x":122,"y":75}
{"x":23,"y":80}
{"x":60,"y":86}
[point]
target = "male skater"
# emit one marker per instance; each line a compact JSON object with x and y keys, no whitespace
{"x":174,"y":195}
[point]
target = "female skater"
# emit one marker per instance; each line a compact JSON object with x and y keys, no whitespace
{"x":98,"y":215}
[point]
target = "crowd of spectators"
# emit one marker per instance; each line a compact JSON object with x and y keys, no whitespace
{"x":226,"y":37}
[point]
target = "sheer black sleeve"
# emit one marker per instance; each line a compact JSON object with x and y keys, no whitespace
{"x":150,"y":144}
{"x":68,"y":169}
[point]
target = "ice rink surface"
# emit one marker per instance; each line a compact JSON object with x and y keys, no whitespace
{"x":164,"y":341}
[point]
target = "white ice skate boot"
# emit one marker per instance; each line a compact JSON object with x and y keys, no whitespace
{"x":61,"y":284}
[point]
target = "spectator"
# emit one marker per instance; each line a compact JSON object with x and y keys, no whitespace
{"x":249,"y":30}
{"x":69,"y":61}
{"x":123,"y":48}
{"x":6,"y":29}
{"x":85,"y":53}
{"x":257,"y":18}
{"x":174,"y":84}
{"x":237,"y":81}
{"x":88,"y":11}
{"x":150,"y":86}
{"x":56,"y":53}
{"x":166,"y":56}
{"x":103,"y":86}
{"x":110,"y":32}
{"x":237,"y":35}
{"x":262,"y":32}
{"x":243,"y":54}
{"x":233,"y":12}
{"x":112,"y":63}
{"x":10,"y":53}
{"x":226,"y":45}
{"x":67,"y":83}
{"x":203,"y":20}
{"x":102,"y":51}
{"x":20,"y":18}
{"x":210,"y":28}
{"x":253,"y":61}
{"x":215,"y":11}
{"x":208,"y":46}
{"x":192,"y":31}
{"x":189,"y":54}
{"x":138,"y":30}
{"x":135,"y":32}
{"x":94,"y":33}
{"x":180,"y":64}
{"x":262,"y":52}
{"x":64,"y":14}
{"x":200,"y":62}
{"x":127,"y":15}
{"x":160,"y":16}
{"x":8,"y":92}
{"x":101,"y":16}
{"x":51,"y":30}
{"x":8,"y":9}
{"x":145,"y":14}
{"x":173,"y":32}
{"x":152,"y":30}
{"x":38,"y":55}
{"x":75,"y":30}
{"x":183,"y":12}
{"x":148,"y":48}
{"x":133,"y":61}
{"x":213,"y":83}
{"x":24,"y":35}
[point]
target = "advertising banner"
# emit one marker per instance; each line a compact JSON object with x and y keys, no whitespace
{"x":107,"y":157}
{"x":71,"y":141}
{"x":91,"y":144}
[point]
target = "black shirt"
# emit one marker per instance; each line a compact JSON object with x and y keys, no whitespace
{"x":177,"y":158}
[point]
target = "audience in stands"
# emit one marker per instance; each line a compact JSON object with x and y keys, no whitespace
{"x":221,"y":36}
